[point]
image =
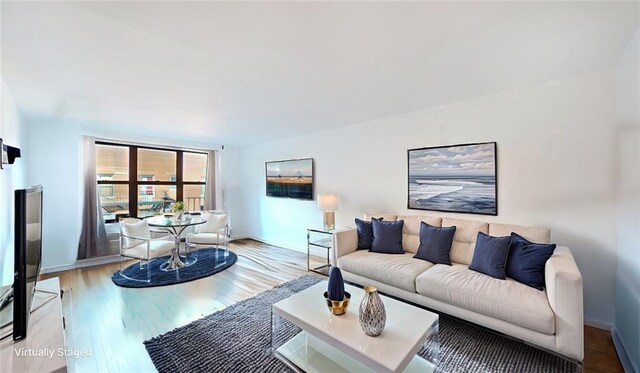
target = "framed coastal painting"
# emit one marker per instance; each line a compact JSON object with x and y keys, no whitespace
{"x":454,"y":178}
{"x":290,"y":179}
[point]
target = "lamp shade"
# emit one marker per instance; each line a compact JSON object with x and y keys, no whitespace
{"x":327,"y":202}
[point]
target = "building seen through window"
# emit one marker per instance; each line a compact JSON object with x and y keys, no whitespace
{"x":143,"y":181}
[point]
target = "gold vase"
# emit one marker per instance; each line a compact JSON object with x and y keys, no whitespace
{"x":338,"y":307}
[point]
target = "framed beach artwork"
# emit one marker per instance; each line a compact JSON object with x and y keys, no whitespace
{"x":290,"y":179}
{"x":454,"y":178}
{"x":4,"y":158}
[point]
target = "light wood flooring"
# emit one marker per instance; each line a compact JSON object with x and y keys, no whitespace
{"x":113,"y":321}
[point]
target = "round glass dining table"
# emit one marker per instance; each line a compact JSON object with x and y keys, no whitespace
{"x":175,"y":227}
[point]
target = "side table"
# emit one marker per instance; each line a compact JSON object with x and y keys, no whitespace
{"x":321,"y":238}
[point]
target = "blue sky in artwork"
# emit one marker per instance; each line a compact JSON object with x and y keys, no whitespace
{"x":295,"y":168}
{"x":476,"y":160}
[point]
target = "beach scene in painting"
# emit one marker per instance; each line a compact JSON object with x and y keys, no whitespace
{"x":290,"y":179}
{"x":456,"y":178}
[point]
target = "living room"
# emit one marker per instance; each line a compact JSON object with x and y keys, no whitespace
{"x":361,"y":91}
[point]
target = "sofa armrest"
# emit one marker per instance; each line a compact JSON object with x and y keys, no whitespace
{"x":564,"y":291}
{"x":344,"y":242}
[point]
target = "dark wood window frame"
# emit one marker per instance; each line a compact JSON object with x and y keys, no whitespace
{"x":133,"y":181}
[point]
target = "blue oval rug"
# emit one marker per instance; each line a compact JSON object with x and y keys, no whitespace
{"x":207,"y":262}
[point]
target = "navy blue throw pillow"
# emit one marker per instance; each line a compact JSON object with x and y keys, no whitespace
{"x":365,"y":233}
{"x":527,"y":260}
{"x":435,"y":244}
{"x":387,"y":237}
{"x":490,"y":255}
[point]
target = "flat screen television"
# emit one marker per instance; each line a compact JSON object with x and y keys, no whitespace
{"x":290,"y":179}
{"x":28,"y":255}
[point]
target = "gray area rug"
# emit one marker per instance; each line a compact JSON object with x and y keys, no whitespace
{"x":238,"y":339}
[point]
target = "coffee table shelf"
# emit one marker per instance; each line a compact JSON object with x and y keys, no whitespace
{"x":307,"y":338}
{"x":306,"y":353}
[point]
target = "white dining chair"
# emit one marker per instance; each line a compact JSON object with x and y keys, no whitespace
{"x":136,"y":242}
{"x":216,"y":231}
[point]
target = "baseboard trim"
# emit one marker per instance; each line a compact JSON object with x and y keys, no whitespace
{"x":115,"y":258}
{"x":622,"y":352}
{"x":598,"y":324}
{"x":277,"y":244}
{"x":239,"y":238}
{"x":82,"y":264}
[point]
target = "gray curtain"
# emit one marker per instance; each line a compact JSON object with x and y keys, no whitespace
{"x":93,"y":239}
{"x":211,"y":200}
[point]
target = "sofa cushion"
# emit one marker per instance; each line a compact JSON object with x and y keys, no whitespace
{"x":527,"y":261}
{"x":464,"y":240}
{"x":387,"y":237}
{"x":435,"y":243}
{"x":506,"y":300}
{"x":383,"y":216}
{"x":490,"y":255}
{"x":411,"y":230}
{"x":541,"y":235}
{"x":365,"y":233}
{"x":395,"y":270}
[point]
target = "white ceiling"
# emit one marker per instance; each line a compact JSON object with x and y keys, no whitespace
{"x":240,"y":73}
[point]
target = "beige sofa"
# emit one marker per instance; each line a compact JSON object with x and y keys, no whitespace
{"x":551,"y":319}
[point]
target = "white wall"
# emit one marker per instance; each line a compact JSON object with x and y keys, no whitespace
{"x":231,"y":182}
{"x":627,"y":316}
{"x":556,"y":157}
{"x":56,"y":162}
{"x":12,"y":132}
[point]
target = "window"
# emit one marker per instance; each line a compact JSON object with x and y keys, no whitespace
{"x":146,"y":190}
{"x":106,"y":191}
{"x":112,"y":164}
{"x":195,"y":174}
{"x":143,"y":181}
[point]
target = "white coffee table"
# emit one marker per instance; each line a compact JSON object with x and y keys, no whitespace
{"x":321,"y":342}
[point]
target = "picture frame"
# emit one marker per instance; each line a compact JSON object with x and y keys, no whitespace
{"x":4,"y":157}
{"x":291,"y":178}
{"x":460,"y":178}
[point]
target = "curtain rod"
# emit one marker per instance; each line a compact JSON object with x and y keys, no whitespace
{"x":172,"y":147}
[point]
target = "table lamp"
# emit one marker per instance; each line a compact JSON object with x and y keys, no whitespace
{"x":328,"y":204}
